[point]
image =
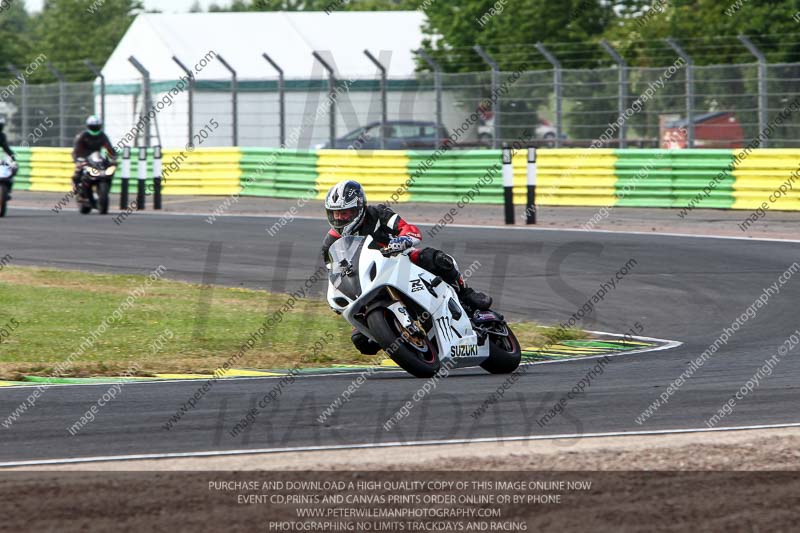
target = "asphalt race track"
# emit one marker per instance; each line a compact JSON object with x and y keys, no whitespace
{"x":679,"y":288}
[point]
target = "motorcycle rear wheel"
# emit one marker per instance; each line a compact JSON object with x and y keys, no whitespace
{"x":387,"y":331}
{"x":504,"y":354}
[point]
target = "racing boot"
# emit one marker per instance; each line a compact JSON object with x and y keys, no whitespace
{"x":471,"y":299}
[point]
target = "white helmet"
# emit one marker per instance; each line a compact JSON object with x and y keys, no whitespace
{"x":346,"y":205}
{"x":94,"y":125}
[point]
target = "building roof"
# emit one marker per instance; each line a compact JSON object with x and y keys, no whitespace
{"x":288,"y":37}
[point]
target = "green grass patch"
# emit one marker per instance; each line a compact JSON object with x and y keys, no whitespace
{"x":46,"y":316}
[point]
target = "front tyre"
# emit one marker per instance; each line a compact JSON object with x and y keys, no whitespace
{"x":504,"y":354}
{"x":103,"y":189}
{"x":3,"y":199}
{"x":418,"y":358}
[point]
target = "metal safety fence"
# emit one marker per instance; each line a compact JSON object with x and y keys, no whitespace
{"x":677,"y":105}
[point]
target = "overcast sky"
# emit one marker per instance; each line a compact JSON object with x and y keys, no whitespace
{"x":167,"y":6}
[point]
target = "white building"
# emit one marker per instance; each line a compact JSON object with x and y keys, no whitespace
{"x":199,"y":39}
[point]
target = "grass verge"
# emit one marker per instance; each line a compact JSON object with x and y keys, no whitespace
{"x":46,"y":315}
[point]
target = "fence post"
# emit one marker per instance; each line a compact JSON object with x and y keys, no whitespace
{"x":384,"y":99}
{"x":281,"y":97}
{"x":24,"y":99}
{"x":146,"y":103}
{"x":437,"y":84}
{"x":62,"y":104}
{"x":495,"y":92}
{"x":96,"y":71}
{"x":331,"y":97}
{"x":762,"y":87}
{"x":689,"y":90}
{"x":190,"y":75}
{"x":508,"y":184}
{"x":530,"y":208}
{"x":623,"y":89}
{"x":157,"y":168}
{"x":126,"y":178}
{"x":557,"y":88}
{"x":140,"y":189}
{"x":235,"y":96}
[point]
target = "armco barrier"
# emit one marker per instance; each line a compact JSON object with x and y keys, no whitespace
{"x":673,"y":178}
{"x":22,"y":181}
{"x":569,"y":176}
{"x":578,"y":177}
{"x":764,"y":172}
{"x":381,"y":172}
{"x":212,"y":171}
{"x":448,"y":176}
{"x":207,"y":171}
{"x":278,"y":173}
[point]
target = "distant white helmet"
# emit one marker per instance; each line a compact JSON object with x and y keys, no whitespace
{"x":94,"y":125}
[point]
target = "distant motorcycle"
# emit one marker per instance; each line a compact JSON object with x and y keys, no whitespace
{"x":93,"y":191}
{"x":8,"y":169}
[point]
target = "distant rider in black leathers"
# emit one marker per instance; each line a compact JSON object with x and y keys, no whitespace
{"x":91,"y":140}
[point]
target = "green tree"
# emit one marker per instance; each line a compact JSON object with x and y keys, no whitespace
{"x":15,"y":46}
{"x":68,"y":31}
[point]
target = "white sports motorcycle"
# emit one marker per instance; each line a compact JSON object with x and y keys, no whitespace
{"x":413,"y":315}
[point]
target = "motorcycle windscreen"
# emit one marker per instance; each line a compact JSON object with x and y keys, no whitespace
{"x":345,"y":254}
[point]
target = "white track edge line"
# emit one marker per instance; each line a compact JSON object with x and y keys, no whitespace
{"x":479,"y":226}
{"x":223,"y":453}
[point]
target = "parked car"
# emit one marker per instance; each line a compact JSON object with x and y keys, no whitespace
{"x":544,"y":130}
{"x":711,"y":130}
{"x":400,"y":135}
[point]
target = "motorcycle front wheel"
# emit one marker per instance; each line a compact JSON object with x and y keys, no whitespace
{"x":3,"y":198}
{"x":417,"y":357}
{"x":103,"y":189}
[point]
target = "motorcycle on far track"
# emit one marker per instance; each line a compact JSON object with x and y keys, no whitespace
{"x":8,"y":169}
{"x":413,"y":315}
{"x":95,"y":185}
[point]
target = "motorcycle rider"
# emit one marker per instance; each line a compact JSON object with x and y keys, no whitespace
{"x":348,"y":214}
{"x":7,"y":149}
{"x":91,"y":140}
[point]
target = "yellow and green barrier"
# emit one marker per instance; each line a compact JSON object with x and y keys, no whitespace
{"x":768,"y":173}
{"x":381,"y":172}
{"x":277,"y":172}
{"x":722,"y":179}
{"x":210,"y":171}
{"x":207,"y":171}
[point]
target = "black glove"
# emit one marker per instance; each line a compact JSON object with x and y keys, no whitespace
{"x":363,"y":344}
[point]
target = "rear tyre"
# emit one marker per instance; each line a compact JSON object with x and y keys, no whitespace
{"x":504,"y":354}
{"x":3,"y":199}
{"x":102,"y":191}
{"x":86,"y":209}
{"x":388,"y":332}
